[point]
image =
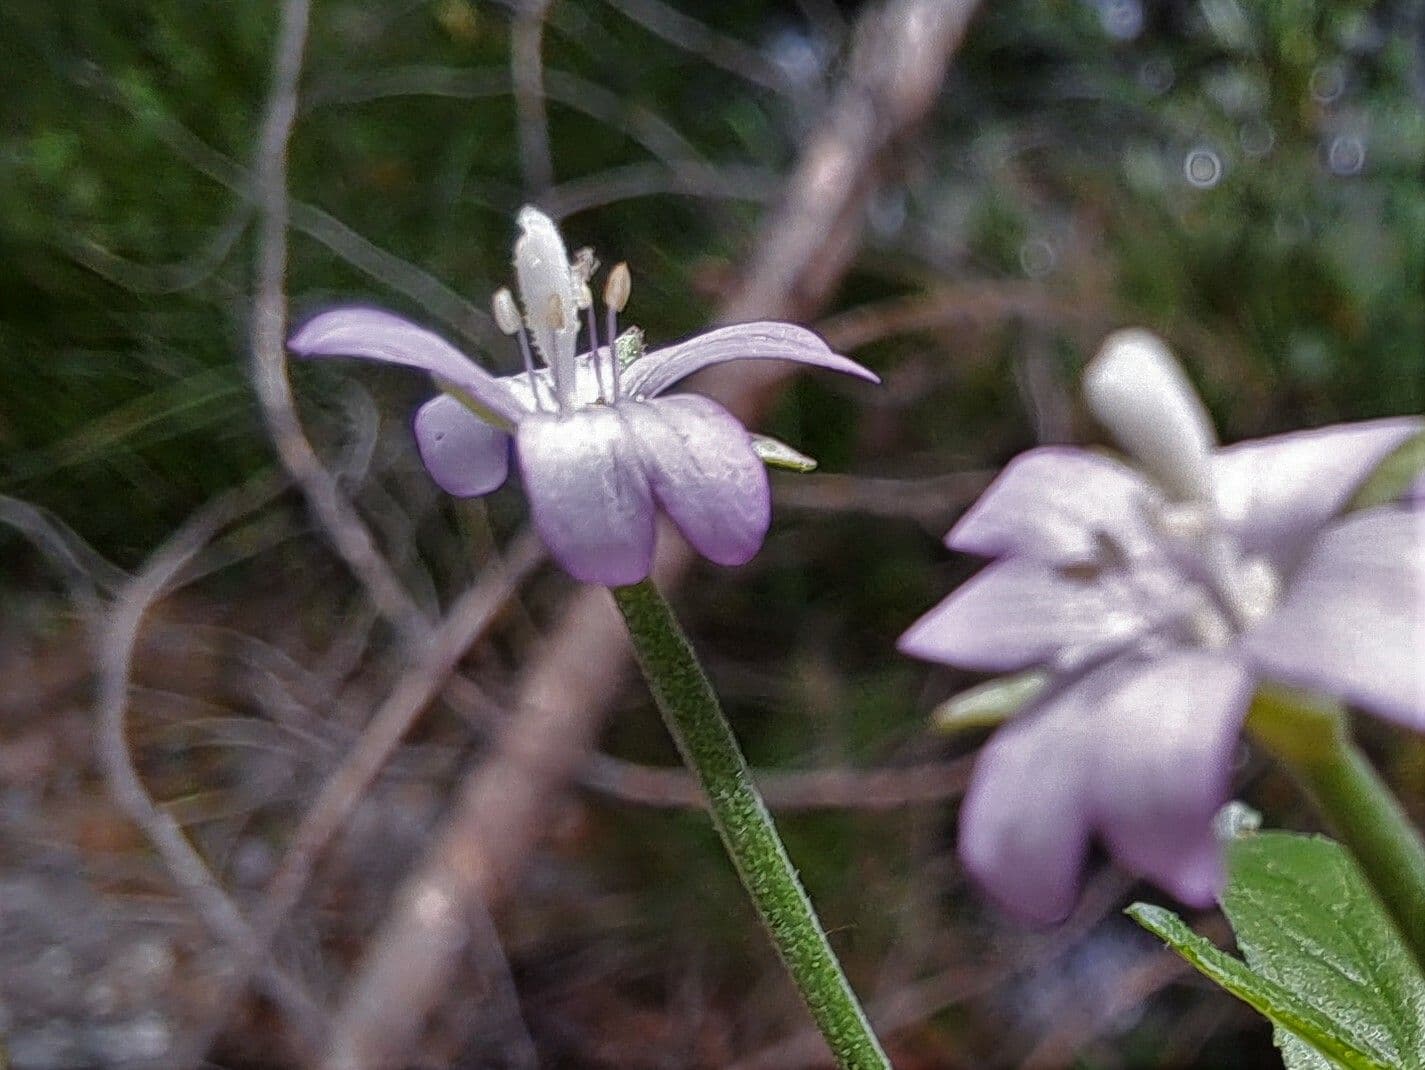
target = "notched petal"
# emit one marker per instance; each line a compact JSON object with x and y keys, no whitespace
{"x":704,"y":472}
{"x":1276,"y":493}
{"x":464,"y":455}
{"x":1018,"y":613}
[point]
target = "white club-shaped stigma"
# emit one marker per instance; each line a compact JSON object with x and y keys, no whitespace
{"x":551,"y":295}
{"x":1139,"y":393}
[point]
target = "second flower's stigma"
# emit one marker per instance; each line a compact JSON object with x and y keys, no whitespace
{"x":1138,"y":392}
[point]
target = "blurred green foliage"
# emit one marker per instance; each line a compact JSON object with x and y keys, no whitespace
{"x":1291,"y":268}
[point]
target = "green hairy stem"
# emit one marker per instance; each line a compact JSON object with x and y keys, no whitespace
{"x":690,"y":709}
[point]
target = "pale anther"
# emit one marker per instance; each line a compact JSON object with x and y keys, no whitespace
{"x":618,"y":287}
{"x":507,"y":315}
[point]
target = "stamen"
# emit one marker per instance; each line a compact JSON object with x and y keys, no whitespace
{"x":617,"y":289}
{"x":507,"y":318}
{"x":525,"y":353}
{"x":611,"y":333}
{"x":583,"y":266}
{"x":594,"y":349}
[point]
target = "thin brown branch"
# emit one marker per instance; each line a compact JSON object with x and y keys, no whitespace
{"x":985,"y":302}
{"x":655,"y":179}
{"x":138,"y":277}
{"x":502,"y":807}
{"x":471,"y":616}
{"x":343,"y":526}
{"x":958,"y":983}
{"x":699,"y":39}
{"x":527,"y":76}
{"x":116,"y":641}
{"x":468,"y":320}
{"x":809,"y":789}
{"x":638,"y":123}
{"x":930,"y":502}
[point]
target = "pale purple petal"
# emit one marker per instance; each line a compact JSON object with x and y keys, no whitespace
{"x":1276,"y":493}
{"x":704,"y":473}
{"x":463,"y":453}
{"x":588,"y":495}
{"x":1020,"y":612}
{"x":658,"y":370}
{"x":1167,"y":731}
{"x":1139,"y":751}
{"x":1056,"y":504}
{"x":1024,"y":824}
{"x":1351,"y":622}
{"x":372,"y":334}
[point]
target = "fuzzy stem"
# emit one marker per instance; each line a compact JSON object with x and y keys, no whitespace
{"x":1314,"y":742}
{"x":691,"y":710}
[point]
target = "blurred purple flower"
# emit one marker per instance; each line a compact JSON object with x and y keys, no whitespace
{"x":1157,"y":597}
{"x":599,"y":447}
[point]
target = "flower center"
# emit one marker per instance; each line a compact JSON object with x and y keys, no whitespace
{"x":1188,"y":574}
{"x":553,"y":290}
{"x":1192,"y":578}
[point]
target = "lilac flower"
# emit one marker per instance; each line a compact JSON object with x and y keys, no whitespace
{"x":600,"y":446}
{"x":1158,"y":597}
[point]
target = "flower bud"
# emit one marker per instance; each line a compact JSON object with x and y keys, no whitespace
{"x":1139,"y":393}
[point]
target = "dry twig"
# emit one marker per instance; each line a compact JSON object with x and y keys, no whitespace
{"x":527,"y":76}
{"x":343,"y":526}
{"x":116,"y":643}
{"x":809,"y":789}
{"x":687,"y":33}
{"x":955,"y":984}
{"x":467,"y":621}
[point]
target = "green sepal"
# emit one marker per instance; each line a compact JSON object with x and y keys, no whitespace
{"x":490,"y":416}
{"x":629,"y":346}
{"x":1393,"y":476}
{"x":990,"y":703}
{"x":777,"y":454}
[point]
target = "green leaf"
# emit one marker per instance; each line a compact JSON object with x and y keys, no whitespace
{"x":1306,"y":919}
{"x":1289,"y":1012}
